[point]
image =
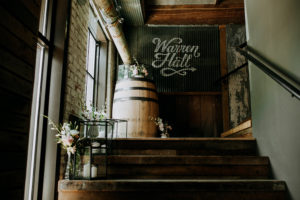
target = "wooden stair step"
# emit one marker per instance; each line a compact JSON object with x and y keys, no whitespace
{"x":179,"y":168}
{"x":188,"y":166}
{"x":172,"y":189}
{"x":171,"y":185}
{"x":184,"y":146}
{"x":186,"y":160}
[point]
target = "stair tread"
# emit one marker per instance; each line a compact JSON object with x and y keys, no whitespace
{"x":184,"y":146}
{"x":180,"y":168}
{"x":171,"y":184}
{"x":179,"y":180}
{"x":187,"y":159}
{"x":184,"y":139}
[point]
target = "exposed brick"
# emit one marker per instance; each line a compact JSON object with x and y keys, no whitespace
{"x":76,"y":62}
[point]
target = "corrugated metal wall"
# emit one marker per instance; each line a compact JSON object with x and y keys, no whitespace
{"x":132,"y":11}
{"x":207,"y":65}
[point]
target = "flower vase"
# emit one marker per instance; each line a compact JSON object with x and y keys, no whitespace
{"x":164,"y":134}
{"x":68,"y":173}
{"x":93,"y":131}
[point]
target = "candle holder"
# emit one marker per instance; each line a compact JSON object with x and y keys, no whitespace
{"x":90,"y":159}
{"x":93,"y":147}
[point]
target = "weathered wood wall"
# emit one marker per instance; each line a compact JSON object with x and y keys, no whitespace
{"x":192,"y":114}
{"x":238,"y":83}
{"x":19,"y":22}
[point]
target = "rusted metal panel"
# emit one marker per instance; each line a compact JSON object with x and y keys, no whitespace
{"x":238,"y":83}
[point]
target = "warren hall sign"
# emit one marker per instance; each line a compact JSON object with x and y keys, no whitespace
{"x":173,"y":57}
{"x":179,"y":59}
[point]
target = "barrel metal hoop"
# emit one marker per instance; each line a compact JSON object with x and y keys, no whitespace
{"x":135,"y":98}
{"x":136,"y":79}
{"x":135,"y":88}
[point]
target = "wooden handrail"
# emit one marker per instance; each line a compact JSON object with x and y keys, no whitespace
{"x":245,"y":128}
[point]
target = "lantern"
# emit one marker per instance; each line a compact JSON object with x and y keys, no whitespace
{"x":90,"y":159}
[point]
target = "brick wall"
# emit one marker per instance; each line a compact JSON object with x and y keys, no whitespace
{"x":76,"y":65}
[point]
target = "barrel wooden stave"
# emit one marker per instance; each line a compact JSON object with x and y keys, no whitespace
{"x":136,"y":93}
{"x":136,"y":100}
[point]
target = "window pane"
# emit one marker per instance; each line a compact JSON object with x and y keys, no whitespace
{"x":89,"y":91}
{"x":91,"y":55}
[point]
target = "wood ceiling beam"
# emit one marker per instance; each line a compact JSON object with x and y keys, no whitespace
{"x":221,"y":13}
{"x":179,"y":2}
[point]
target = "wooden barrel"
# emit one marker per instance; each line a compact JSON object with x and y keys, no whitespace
{"x":136,"y":99}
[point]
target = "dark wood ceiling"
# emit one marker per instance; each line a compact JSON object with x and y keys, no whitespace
{"x":179,"y":13}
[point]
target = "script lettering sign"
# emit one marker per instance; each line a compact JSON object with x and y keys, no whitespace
{"x":166,"y":56}
{"x":179,"y":59}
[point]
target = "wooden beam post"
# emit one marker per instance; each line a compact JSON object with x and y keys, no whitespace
{"x":223,"y":12}
{"x":223,"y":65}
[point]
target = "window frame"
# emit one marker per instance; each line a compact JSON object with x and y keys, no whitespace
{"x":97,"y":66}
{"x":42,"y":162}
{"x":43,"y":51}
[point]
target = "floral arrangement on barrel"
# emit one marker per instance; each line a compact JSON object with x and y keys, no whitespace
{"x":138,"y":70}
{"x":162,"y":126}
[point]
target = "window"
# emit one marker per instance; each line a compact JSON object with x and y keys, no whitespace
{"x":96,"y":67}
{"x":42,"y":148}
{"x":38,"y":104}
{"x":92,"y":71}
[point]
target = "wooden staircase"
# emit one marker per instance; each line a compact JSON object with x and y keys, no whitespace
{"x":185,"y":168}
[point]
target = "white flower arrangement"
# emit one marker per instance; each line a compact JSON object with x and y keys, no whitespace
{"x":138,"y":69}
{"x":94,"y":114}
{"x":67,"y":135}
{"x":162,"y":126}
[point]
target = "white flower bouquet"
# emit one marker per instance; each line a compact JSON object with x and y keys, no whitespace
{"x":138,"y":70}
{"x":94,"y":114}
{"x":162,"y":126}
{"x":67,"y":135}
